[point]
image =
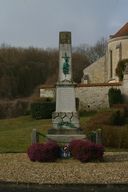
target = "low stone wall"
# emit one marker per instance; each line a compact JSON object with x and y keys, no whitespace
{"x":91,"y":96}
{"x":47,"y":91}
{"x":94,"y":96}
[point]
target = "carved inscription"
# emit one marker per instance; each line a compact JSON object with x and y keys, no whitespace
{"x":65,"y":38}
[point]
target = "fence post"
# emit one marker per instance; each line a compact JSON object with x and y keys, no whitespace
{"x":98,"y":136}
{"x":34,"y":137}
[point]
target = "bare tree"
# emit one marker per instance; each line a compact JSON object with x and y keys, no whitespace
{"x":95,"y":52}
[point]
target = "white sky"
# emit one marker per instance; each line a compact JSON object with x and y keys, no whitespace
{"x":37,"y":23}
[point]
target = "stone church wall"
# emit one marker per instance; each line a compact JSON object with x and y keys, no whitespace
{"x":94,"y":97}
{"x":95,"y":72}
{"x":118,"y":48}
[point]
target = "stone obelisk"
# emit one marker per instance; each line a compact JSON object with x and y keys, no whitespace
{"x":65,"y":119}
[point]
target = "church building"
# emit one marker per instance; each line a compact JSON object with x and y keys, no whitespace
{"x":104,"y":69}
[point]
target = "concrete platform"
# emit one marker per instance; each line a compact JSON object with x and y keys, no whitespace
{"x":62,"y":138}
{"x":65,"y":131}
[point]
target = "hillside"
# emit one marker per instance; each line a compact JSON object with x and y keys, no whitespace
{"x":22,"y":70}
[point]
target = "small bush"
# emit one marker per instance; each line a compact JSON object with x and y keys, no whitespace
{"x":115,"y":96}
{"x":121,"y":107}
{"x":48,"y":152}
{"x":97,"y":151}
{"x":42,"y":109}
{"x":74,"y":146}
{"x":51,"y":151}
{"x":35,"y":152}
{"x":85,"y":150}
{"x":121,"y":68}
{"x":117,"y":118}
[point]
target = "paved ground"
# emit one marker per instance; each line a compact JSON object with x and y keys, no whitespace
{"x":63,"y":188}
{"x":19,"y":169}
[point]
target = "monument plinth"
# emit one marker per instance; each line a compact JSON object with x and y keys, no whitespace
{"x":65,"y":119}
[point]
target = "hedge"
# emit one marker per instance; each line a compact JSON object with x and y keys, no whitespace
{"x":85,"y":150}
{"x":115,"y":96}
{"x":42,"y":110}
{"x":47,"y":152}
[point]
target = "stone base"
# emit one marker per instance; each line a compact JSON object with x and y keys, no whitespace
{"x":65,"y":120}
{"x":65,"y":138}
{"x":65,"y":131}
{"x":65,"y":135}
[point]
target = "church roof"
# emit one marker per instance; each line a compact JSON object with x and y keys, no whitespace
{"x":122,"y":32}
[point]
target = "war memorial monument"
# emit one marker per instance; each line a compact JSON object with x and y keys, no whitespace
{"x":65,"y":119}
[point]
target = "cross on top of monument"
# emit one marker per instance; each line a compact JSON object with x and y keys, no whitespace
{"x":65,"y":56}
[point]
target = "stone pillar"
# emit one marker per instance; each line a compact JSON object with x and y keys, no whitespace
{"x":65,"y":115}
{"x":65,"y":119}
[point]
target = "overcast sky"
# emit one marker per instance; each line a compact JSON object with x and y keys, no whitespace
{"x":36,"y":23}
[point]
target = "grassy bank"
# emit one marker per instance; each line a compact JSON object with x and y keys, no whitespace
{"x":15,"y":134}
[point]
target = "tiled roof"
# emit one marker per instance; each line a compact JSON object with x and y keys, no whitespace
{"x":122,"y":32}
{"x":99,"y":84}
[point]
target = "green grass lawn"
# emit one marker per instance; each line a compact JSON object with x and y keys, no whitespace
{"x":15,"y":134}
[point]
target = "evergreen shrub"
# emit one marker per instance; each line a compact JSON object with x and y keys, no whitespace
{"x":42,"y":109}
{"x":118,"y":118}
{"x":122,"y":107}
{"x":121,"y":68}
{"x":85,"y":150}
{"x":48,"y":152}
{"x":115,"y":96}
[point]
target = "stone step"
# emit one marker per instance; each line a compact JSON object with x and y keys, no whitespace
{"x":65,"y":138}
{"x":65,"y":131}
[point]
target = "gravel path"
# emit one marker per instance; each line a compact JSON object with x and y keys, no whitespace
{"x":18,"y":168}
